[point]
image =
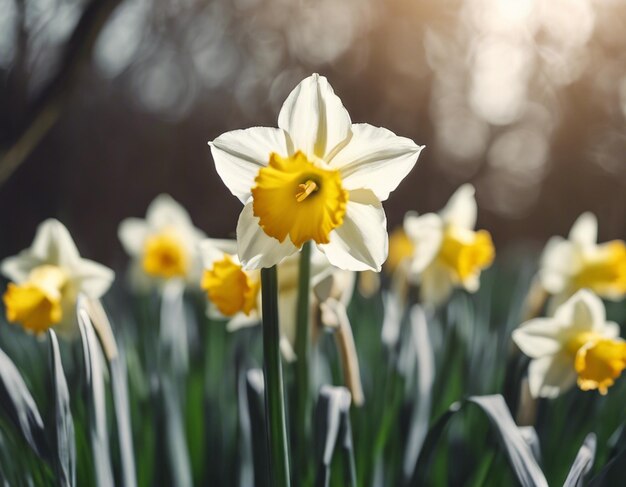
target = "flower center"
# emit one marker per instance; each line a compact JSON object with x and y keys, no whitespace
{"x":230,"y":288}
{"x":606,"y":271}
{"x":165,"y":256}
{"x":294,"y":197}
{"x":466,"y":254}
{"x":36,"y":303}
{"x":597,"y":360}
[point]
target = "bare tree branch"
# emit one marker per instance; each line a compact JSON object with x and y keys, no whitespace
{"x":48,"y":106}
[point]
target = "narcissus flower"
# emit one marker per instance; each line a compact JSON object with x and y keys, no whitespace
{"x":163,"y":246}
{"x":234,"y":293}
{"x":47,"y":279}
{"x":579,"y":262}
{"x":447,"y":252}
{"x":318,"y":177}
{"x":576,"y":345}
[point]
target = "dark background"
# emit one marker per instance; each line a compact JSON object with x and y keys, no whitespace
{"x":524,"y":98}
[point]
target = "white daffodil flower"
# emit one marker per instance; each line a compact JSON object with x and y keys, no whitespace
{"x":576,"y":344}
{"x":235,"y":293}
{"x":163,"y":246}
{"x":579,"y":262}
{"x":446,"y":251}
{"x":47,"y":279}
{"x":318,"y":177}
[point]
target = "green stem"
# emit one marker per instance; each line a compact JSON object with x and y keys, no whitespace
{"x":302,"y":361}
{"x":274,"y":395}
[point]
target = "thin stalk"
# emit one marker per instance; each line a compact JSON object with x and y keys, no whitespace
{"x":274,"y":394}
{"x":302,"y":403}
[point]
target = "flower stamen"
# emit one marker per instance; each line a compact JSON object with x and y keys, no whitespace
{"x":305,"y":190}
{"x":285,"y":204}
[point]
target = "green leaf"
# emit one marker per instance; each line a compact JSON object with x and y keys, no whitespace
{"x":332,"y":428}
{"x":65,"y":455}
{"x":520,"y":456}
{"x":95,"y":397}
{"x":255,"y":397}
{"x":582,"y":463}
{"x":20,"y":407}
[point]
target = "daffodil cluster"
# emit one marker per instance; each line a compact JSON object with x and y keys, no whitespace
{"x":575,"y":344}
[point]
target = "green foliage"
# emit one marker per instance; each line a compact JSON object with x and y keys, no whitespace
{"x":441,"y":399}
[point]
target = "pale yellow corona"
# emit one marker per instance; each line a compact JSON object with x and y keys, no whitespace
{"x":165,"y":256}
{"x":467,"y":254}
{"x":605,"y":272}
{"x":36,"y":303}
{"x":598,"y":360}
{"x":401,"y":248}
{"x":230,"y":288}
{"x":297,"y":199}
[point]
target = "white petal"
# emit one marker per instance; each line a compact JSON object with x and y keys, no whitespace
{"x":315,"y":118}
{"x":132,"y":232}
{"x":376,"y":159}
{"x":436,"y":284}
{"x":559,"y":261}
{"x":551,"y":376}
{"x":538,"y":337}
{"x":584,"y":232}
{"x":461,"y":209}
{"x":426,"y":233}
{"x":361,"y":242}
{"x":92,"y":278}
{"x":583,"y":311}
{"x":18,"y":267}
{"x":239,"y":155}
{"x":53,"y":244}
{"x":610,"y":329}
{"x":241,"y":320}
{"x":256,"y":249}
{"x":165,"y":212}
{"x":212,"y":249}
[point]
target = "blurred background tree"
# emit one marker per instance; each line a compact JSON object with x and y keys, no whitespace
{"x":106,"y":103}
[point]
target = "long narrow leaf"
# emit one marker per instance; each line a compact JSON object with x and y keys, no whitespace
{"x":246,"y":470}
{"x":520,"y":456}
{"x":96,"y":400}
{"x":119,"y":386}
{"x":522,"y":460}
{"x":65,"y":457}
{"x":20,"y":407}
{"x":255,"y":395}
{"x":174,"y":362}
{"x":531,"y":438}
{"x":176,"y":442}
{"x":582,"y":463}
{"x":173,"y":332}
{"x":331,"y":402}
{"x":420,"y":416}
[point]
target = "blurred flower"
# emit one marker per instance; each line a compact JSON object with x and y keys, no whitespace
{"x":163,"y":246}
{"x":317,"y":177}
{"x":447,"y":252}
{"x":234,"y":292}
{"x":47,"y":279}
{"x":401,"y":249}
{"x":579,"y":262}
{"x":577,"y":342}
